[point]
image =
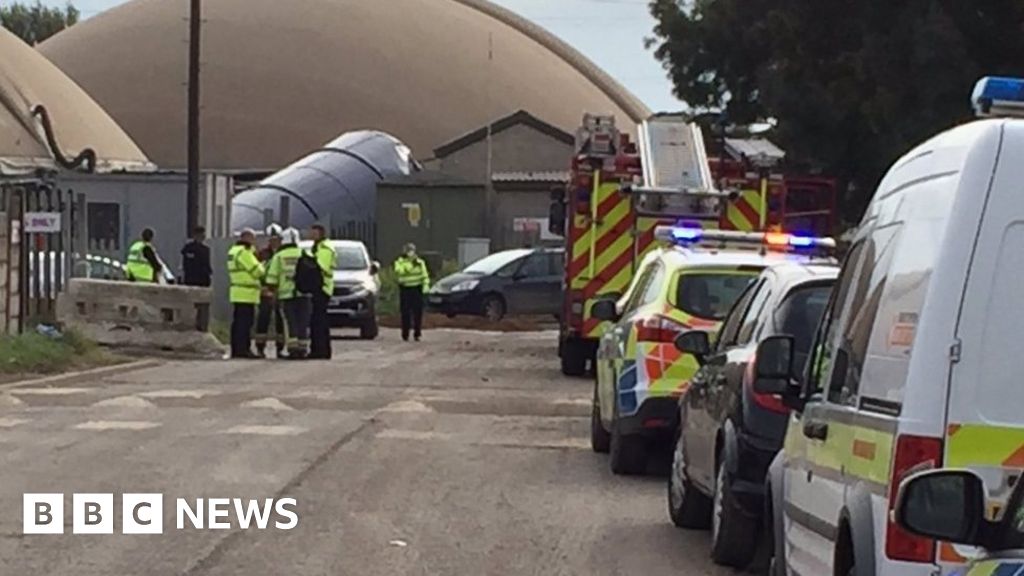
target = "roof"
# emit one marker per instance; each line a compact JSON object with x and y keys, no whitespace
{"x":28,"y":80}
{"x":417,"y":69}
{"x":543,"y":177}
{"x":521,"y":117}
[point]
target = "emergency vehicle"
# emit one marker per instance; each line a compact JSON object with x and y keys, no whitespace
{"x":620,"y":190}
{"x":918,"y":359}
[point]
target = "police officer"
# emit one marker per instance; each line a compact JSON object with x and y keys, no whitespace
{"x":270,"y":309}
{"x":246,"y":274}
{"x":320,"y":327}
{"x":413,"y":281}
{"x":143,"y":265}
{"x":295,"y":306}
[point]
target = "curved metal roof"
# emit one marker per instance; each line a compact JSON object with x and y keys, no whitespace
{"x":418,"y":69}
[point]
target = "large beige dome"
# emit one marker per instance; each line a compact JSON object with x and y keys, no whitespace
{"x":28,"y":81}
{"x":282,"y":77}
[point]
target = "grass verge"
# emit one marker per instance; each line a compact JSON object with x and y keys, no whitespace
{"x":32,"y":353}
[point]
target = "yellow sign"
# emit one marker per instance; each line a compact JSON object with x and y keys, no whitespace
{"x":413,"y":213}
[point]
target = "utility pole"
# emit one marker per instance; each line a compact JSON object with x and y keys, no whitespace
{"x":194,"y":26}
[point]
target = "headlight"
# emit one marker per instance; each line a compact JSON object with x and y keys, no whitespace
{"x":465,"y":286}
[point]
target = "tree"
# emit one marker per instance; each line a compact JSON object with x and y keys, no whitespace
{"x":851,"y":85}
{"x":35,"y":23}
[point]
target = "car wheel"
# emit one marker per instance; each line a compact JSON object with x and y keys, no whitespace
{"x":733,"y":532}
{"x":600,"y":439}
{"x":574,"y":357}
{"x":628,"y":452}
{"x":687,"y":507}
{"x":369,"y":330}
{"x":494,"y":308}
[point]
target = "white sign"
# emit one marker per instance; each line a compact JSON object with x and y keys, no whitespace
{"x":42,"y":222}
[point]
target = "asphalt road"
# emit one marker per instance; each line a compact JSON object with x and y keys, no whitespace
{"x":466,"y":454}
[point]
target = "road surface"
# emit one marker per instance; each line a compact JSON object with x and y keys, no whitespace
{"x":466,"y":454}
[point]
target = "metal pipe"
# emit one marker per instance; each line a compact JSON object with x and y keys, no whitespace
{"x":192,"y":195}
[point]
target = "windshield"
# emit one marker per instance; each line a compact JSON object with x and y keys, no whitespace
{"x":494,"y":262}
{"x":350,"y":258}
{"x":710,"y":295}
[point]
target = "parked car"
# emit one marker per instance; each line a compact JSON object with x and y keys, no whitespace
{"x":950,"y":506}
{"x":917,"y":361}
{"x":729,"y":431}
{"x":356,"y":288}
{"x":513,"y":282}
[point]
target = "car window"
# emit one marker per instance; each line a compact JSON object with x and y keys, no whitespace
{"x":654,"y":286}
{"x":535,"y":266}
{"x":799,"y":316}
{"x":351,"y":258}
{"x":731,"y":327}
{"x":711,"y":294}
{"x":753,"y":315}
{"x":821,"y":364}
{"x":643,"y":281}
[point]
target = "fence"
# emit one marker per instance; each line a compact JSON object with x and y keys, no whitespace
{"x":38,"y":251}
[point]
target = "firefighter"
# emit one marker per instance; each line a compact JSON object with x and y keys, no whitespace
{"x":143,"y":264}
{"x":320,"y":327}
{"x":296,"y":307}
{"x":413,"y":282}
{"x":270,"y":308}
{"x":245,"y":273}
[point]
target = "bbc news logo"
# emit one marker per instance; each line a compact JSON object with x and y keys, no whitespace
{"x":144,"y":513}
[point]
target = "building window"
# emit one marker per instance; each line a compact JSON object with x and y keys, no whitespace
{"x":104,"y":227}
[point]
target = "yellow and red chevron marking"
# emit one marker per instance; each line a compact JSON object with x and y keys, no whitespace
{"x":744,"y":214}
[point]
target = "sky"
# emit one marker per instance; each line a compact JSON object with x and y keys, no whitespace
{"x":609,"y":32}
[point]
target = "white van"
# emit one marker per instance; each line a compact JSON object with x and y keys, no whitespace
{"x":919,"y":361}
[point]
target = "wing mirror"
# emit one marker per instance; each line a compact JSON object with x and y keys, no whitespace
{"x":605,"y":310}
{"x":374,"y":268}
{"x":944,"y":505}
{"x":695,"y":342}
{"x":774,"y":367}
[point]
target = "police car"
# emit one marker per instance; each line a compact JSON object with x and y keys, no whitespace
{"x":918,"y":359}
{"x":691,"y":284}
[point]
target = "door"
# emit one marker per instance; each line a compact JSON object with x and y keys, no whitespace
{"x":986,"y":394}
{"x":813,"y":487}
{"x":700,"y":427}
{"x":530,"y":287}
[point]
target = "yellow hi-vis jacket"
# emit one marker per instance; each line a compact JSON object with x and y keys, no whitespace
{"x":324,"y":254}
{"x":139,"y":269}
{"x":412,"y":272}
{"x":281,"y":271}
{"x":245,"y":273}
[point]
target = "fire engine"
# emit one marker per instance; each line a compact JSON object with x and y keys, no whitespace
{"x":620,"y":191}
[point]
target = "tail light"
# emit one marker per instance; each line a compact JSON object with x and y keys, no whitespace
{"x":770,"y":402}
{"x":658,"y":329}
{"x":913,"y":454}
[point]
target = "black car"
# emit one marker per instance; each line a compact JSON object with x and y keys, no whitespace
{"x":729,"y":432}
{"x":523,"y":281}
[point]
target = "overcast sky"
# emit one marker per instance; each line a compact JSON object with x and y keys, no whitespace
{"x":610,"y":32}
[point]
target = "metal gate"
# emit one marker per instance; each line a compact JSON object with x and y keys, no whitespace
{"x":39,"y":251}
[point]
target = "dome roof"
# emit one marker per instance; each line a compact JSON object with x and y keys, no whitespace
{"x":280,"y":78}
{"x":28,"y":80}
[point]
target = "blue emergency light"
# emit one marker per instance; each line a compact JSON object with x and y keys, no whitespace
{"x":998,"y":96}
{"x":686,"y":235}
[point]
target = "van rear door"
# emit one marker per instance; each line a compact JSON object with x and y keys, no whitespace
{"x":985,"y":412}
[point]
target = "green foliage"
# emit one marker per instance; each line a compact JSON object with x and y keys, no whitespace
{"x":852,"y":85}
{"x":34,"y":23}
{"x":33,"y":353}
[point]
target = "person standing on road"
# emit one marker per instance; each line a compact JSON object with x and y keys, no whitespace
{"x":246,"y":275}
{"x":320,"y":327}
{"x":270,"y":308}
{"x":195,"y":260}
{"x":413,"y":282}
{"x":295,"y":306}
{"x":143,"y":265}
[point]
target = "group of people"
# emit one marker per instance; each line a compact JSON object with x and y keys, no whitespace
{"x":283,"y":284}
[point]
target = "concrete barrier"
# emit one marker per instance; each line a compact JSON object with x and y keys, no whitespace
{"x":135,"y":315}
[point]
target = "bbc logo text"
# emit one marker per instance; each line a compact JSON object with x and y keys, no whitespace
{"x":144,"y":513}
